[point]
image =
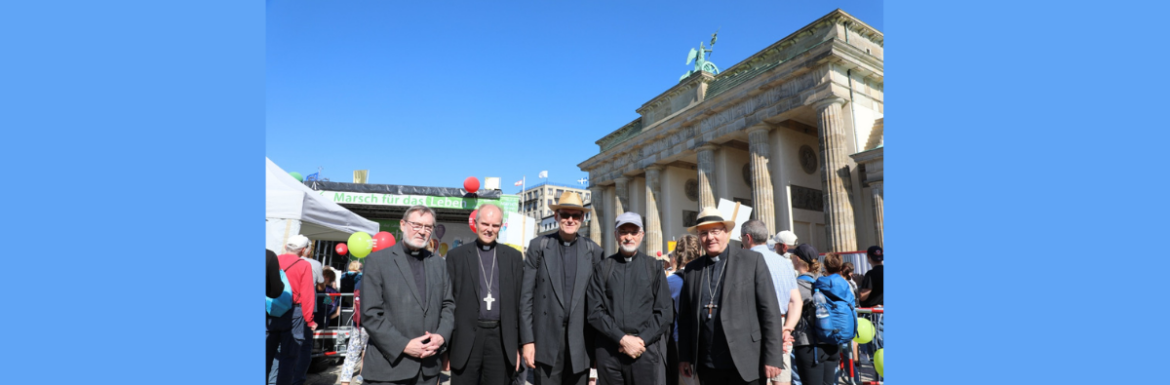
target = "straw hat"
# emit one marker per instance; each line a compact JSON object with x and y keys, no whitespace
{"x":569,"y":200}
{"x":708,"y":216}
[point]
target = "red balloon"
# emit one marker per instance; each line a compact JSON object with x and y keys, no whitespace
{"x":659,"y":253}
{"x":471,"y":220}
{"x":341,"y":248}
{"x":471,"y":184}
{"x":383,"y":240}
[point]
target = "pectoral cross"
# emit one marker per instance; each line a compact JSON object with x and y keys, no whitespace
{"x":489,"y":300}
{"x":710,"y":306}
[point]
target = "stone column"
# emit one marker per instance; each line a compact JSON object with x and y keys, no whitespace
{"x":621,"y":195}
{"x":653,"y":222}
{"x":707,"y":175}
{"x":839,"y":227}
{"x":765,"y":209}
{"x":596,"y":197}
{"x":878,"y":211}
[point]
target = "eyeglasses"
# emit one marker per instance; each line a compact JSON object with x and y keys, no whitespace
{"x":420,"y":227}
{"x":711,"y":232}
{"x":576,"y":216}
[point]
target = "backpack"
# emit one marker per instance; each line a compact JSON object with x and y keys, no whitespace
{"x":842,"y":320}
{"x":276,"y":307}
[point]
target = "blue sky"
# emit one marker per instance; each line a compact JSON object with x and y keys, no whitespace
{"x":429,"y":94}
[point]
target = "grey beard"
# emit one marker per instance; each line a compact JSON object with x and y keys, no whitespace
{"x":629,"y":249}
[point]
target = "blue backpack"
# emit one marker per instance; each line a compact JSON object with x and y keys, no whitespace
{"x":842,"y":321}
{"x":276,"y":307}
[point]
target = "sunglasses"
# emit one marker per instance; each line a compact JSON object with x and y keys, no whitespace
{"x":573,"y":216}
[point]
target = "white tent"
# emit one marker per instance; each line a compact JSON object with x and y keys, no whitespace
{"x":292,"y":208}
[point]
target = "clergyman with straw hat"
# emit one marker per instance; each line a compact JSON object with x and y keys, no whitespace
{"x":554,"y":336}
{"x":709,"y":322}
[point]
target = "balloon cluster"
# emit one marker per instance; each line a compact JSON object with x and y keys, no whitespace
{"x":879,"y":362}
{"x":362,"y":244}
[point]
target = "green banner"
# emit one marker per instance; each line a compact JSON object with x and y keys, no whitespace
{"x":510,"y":203}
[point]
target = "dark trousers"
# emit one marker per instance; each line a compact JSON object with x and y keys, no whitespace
{"x":291,"y":335}
{"x":712,"y":376}
{"x":418,"y":380}
{"x":488,"y":363}
{"x":671,"y":360}
{"x":614,"y":368}
{"x":817,"y":367}
{"x":560,"y":372}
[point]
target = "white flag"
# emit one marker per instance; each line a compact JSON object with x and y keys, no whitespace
{"x":543,"y":174}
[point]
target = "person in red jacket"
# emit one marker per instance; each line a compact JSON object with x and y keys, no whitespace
{"x":293,"y":331}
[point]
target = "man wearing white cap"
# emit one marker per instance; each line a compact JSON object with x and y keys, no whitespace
{"x":293,"y":331}
{"x":748,"y":317}
{"x":631,"y":309}
{"x":782,"y":242}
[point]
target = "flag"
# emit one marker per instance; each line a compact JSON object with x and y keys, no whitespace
{"x":519,"y":183}
{"x":313,"y":177}
{"x":583,"y":180}
{"x":543,"y":174}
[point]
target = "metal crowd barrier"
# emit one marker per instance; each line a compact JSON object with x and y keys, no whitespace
{"x":339,"y":330}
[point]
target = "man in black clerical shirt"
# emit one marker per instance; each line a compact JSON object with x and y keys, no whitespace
{"x":407,"y":307}
{"x":486,"y":281}
{"x":631,"y":309}
{"x":554,"y":336}
{"x":728,"y":339}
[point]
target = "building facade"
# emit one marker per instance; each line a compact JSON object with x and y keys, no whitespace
{"x":794,"y":131}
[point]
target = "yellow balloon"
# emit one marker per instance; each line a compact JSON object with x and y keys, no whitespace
{"x":864,"y":331}
{"x":878,"y":362}
{"x":443,"y":248}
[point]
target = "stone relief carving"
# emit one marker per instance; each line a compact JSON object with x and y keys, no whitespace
{"x":692,"y":189}
{"x":807,"y":198}
{"x":747,"y":175}
{"x":808,"y":159}
{"x":690,"y":218}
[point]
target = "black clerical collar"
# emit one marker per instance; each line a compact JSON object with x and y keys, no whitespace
{"x":485,"y":247}
{"x":562,"y":241}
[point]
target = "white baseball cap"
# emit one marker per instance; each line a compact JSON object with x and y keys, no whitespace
{"x":786,"y":237}
{"x":297,"y":242}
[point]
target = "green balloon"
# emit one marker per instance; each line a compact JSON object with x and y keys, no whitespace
{"x":878,"y":362}
{"x":864,"y":331}
{"x":360,"y":244}
{"x":298,"y":176}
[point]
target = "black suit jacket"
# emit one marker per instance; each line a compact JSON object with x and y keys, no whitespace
{"x":547,"y":318}
{"x":748,"y":309}
{"x":394,"y":312}
{"x":463,"y":266}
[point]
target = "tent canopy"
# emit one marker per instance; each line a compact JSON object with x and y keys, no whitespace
{"x":320,"y":219}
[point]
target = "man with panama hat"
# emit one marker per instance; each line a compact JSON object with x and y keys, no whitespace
{"x":709,"y":322}
{"x":554,"y":337}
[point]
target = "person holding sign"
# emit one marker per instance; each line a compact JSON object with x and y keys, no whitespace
{"x":748,"y":317}
{"x":486,"y":282}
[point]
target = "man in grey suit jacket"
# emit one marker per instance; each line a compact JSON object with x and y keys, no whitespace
{"x":407,"y":307}
{"x":728,"y":299}
{"x":557,"y":268}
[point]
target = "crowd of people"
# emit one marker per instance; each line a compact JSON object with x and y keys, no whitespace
{"x":565,"y":313}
